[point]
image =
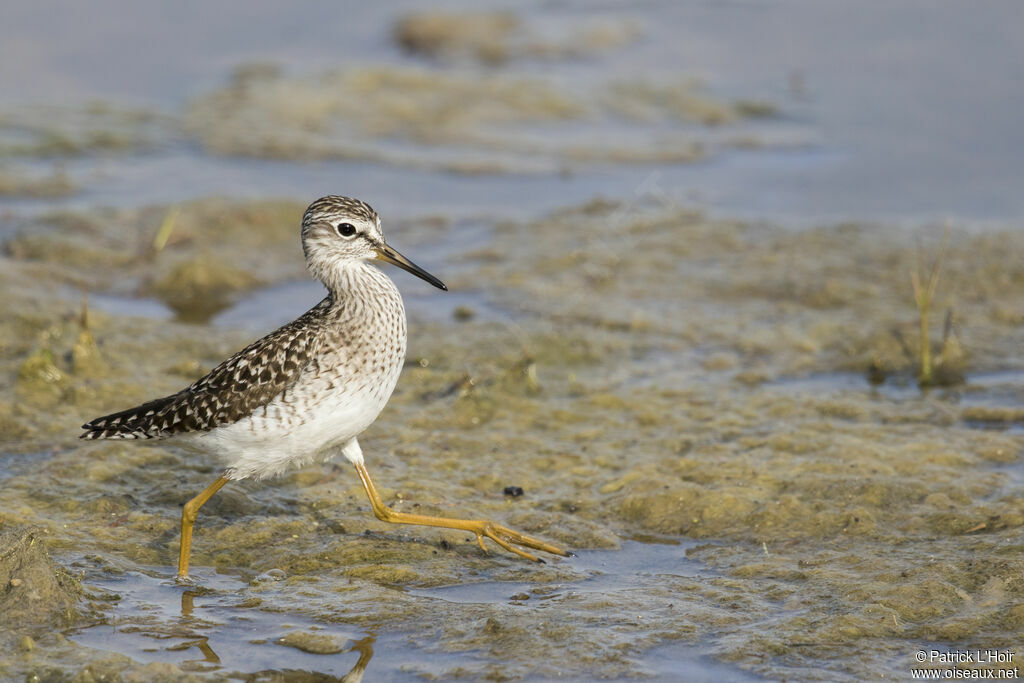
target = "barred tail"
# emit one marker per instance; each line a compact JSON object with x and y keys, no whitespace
{"x":135,"y":423}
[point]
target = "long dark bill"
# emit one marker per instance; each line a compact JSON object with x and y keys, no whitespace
{"x":386,"y":253}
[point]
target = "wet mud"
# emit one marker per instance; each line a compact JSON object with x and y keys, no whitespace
{"x":493,"y":38}
{"x":463,"y":121}
{"x":697,"y":398}
{"x":35,"y":592}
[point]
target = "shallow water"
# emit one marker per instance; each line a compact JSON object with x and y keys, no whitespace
{"x":631,"y":567}
{"x":994,"y":389}
{"x":207,"y":628}
{"x":891,"y":113}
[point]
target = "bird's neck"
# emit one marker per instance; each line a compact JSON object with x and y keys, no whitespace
{"x":358,"y":285}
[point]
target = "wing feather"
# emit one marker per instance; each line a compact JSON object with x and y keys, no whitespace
{"x":243,"y":383}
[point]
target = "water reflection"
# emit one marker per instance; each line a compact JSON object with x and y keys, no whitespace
{"x":236,"y":627}
{"x":365,"y":649}
{"x":209,"y":628}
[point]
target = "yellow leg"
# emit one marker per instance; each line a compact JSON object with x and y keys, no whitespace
{"x":188,"y":519}
{"x":501,"y":535}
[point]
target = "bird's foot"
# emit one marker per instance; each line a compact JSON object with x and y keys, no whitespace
{"x":186,"y":580}
{"x":509,"y":539}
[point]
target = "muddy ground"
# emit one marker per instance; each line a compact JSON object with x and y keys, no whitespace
{"x":648,"y":376}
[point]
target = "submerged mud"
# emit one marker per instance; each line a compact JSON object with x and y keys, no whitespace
{"x":196,"y":258}
{"x":494,"y":38}
{"x":643,"y":373}
{"x":35,"y":593}
{"x":465,"y":121}
{"x":58,"y":132}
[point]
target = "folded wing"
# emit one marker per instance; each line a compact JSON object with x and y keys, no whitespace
{"x":242,"y":384}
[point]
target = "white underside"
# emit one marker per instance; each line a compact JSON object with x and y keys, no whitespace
{"x":297,"y":431}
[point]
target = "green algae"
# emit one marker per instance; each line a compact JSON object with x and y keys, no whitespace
{"x":35,"y":594}
{"x":134,"y":252}
{"x":94,"y":128}
{"x":199,"y":288}
{"x":18,"y":184}
{"x":494,"y":38}
{"x":49,"y":136}
{"x":682,"y":100}
{"x":461,"y":120}
{"x":633,"y":386}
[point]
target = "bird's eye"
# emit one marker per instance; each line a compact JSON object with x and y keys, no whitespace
{"x":346,"y":229}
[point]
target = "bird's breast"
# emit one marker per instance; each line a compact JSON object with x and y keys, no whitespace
{"x":356,"y":370}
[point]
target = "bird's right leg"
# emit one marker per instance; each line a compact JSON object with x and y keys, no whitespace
{"x":482,"y":528}
{"x":503,"y":536}
{"x":188,"y":520}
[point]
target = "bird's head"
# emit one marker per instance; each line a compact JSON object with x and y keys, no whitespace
{"x":339,"y":231}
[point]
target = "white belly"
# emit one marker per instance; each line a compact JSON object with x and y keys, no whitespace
{"x":301,"y":427}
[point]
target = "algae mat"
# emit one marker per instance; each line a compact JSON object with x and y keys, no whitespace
{"x":684,"y":401}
